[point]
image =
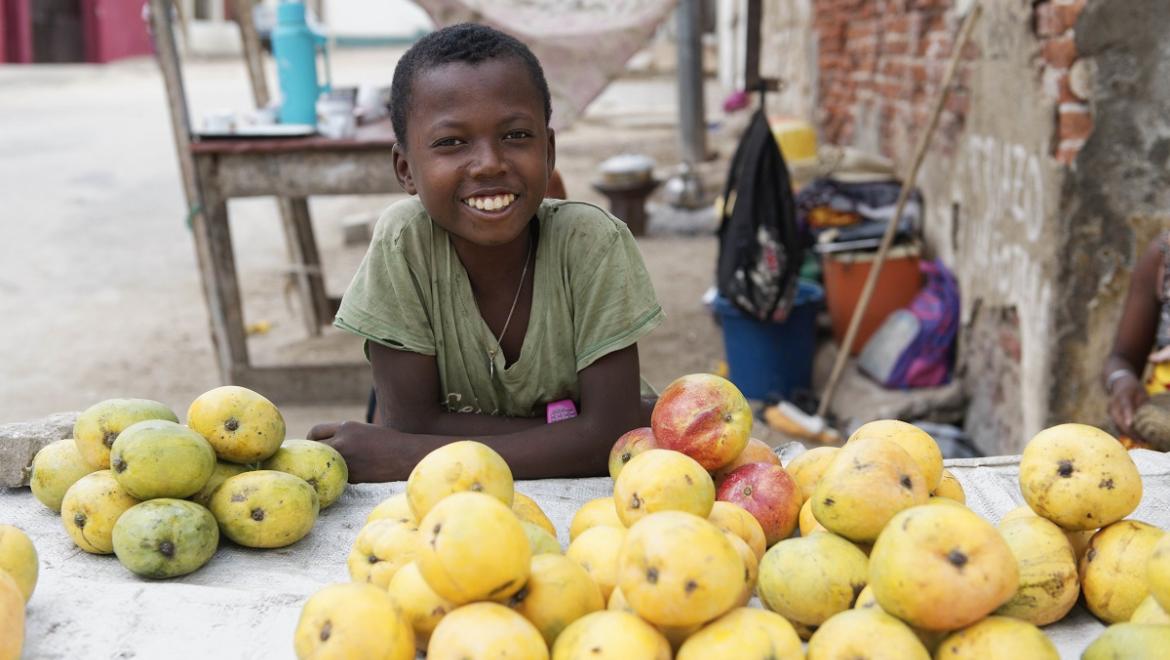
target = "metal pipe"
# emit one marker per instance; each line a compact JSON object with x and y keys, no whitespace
{"x":692,"y":121}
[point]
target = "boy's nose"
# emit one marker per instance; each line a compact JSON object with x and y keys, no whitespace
{"x":487,"y":161}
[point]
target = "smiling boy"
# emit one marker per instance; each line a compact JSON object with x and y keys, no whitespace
{"x":480,"y":301}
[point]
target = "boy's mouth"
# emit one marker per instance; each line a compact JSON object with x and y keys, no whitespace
{"x":490,"y":202}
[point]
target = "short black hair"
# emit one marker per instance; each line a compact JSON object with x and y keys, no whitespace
{"x":470,"y":43}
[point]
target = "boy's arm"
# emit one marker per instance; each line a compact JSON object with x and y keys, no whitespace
{"x":610,"y":405}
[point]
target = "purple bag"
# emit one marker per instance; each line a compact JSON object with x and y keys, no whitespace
{"x":914,"y":347}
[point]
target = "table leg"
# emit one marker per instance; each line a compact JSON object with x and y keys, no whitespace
{"x":306,"y":263}
{"x":217,"y":268}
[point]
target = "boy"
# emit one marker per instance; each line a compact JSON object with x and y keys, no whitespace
{"x":481,"y":302}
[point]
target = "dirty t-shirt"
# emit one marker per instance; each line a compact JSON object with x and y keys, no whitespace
{"x":592,"y":296}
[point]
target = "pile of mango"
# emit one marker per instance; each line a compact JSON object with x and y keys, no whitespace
{"x":889,"y":562}
{"x":135,"y":482}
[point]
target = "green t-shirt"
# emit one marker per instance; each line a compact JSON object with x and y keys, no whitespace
{"x":592,"y":296}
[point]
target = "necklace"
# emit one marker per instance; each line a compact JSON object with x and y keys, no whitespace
{"x":493,"y":351}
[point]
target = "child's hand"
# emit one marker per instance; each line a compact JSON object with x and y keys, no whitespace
{"x":364,"y":448}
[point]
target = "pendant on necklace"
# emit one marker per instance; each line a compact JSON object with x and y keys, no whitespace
{"x":491,"y":364}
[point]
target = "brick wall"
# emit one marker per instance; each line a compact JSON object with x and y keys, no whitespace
{"x":881,"y":62}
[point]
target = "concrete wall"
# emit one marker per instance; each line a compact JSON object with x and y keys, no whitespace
{"x":1116,"y":195}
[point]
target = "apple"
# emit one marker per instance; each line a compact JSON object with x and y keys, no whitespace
{"x":703,"y":416}
{"x":768,"y":493}
{"x":756,"y":451}
{"x":628,"y":446}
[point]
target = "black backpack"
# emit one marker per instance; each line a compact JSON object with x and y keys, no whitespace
{"x":760,"y":245}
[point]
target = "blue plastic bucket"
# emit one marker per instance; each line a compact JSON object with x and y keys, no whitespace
{"x":771,"y":360}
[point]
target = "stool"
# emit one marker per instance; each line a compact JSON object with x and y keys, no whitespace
{"x":627,"y":201}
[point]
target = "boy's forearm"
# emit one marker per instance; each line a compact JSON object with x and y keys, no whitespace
{"x":577,"y":447}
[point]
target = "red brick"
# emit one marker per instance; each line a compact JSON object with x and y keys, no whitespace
{"x":1046,"y":21}
{"x":1060,"y":52}
{"x":1066,"y":153}
{"x":1067,"y":12}
{"x":896,"y":47}
{"x":1075,"y":122}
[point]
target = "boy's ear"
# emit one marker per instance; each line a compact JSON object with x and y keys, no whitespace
{"x":402,"y":170}
{"x":552,"y":150}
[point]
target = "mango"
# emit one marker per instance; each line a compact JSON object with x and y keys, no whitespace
{"x":265,"y":508}
{"x":558,"y":592}
{"x":600,"y":511}
{"x":381,"y":549}
{"x":677,"y":569}
{"x":1131,"y":641}
{"x":1150,"y":612}
{"x":98,"y":426}
{"x":998,"y":637}
{"x":808,"y":468}
{"x":917,"y":443}
{"x":18,"y":558}
{"x":539,"y":540}
{"x":596,"y":550}
{"x":317,"y":463}
{"x":1049,"y":585}
{"x":662,"y":480}
{"x":242,"y":426}
{"x":221,"y":473}
{"x":352,"y":620}
{"x":11,"y":618}
{"x":486,"y":630}
{"x":744,"y":633}
{"x":941,"y":567}
{"x":610,"y":635}
{"x":1158,"y":572}
{"x":418,"y":604}
{"x":56,"y":467}
{"x":869,"y":481}
{"x":865,"y":633}
{"x":735,"y":519}
{"x":395,"y":507}
{"x":91,"y":507}
{"x":808,"y":579}
{"x":164,"y":538}
{"x":1114,"y":569}
{"x":474,"y":548}
{"x":1078,"y":539}
{"x":464,"y":466}
{"x":160,"y":458}
{"x":950,"y":488}
{"x":1079,"y":477}
{"x":527,"y":509}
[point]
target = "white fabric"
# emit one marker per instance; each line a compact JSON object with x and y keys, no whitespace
{"x":245,"y":603}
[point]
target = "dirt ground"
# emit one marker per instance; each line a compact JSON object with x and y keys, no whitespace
{"x":98,"y":284}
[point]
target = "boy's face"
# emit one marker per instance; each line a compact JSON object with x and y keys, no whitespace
{"x":478,"y":152}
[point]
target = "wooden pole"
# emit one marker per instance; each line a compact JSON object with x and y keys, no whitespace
{"x":253,"y":57}
{"x":891,"y":228}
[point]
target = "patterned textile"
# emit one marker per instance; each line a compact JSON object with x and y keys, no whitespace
{"x":582,"y":44}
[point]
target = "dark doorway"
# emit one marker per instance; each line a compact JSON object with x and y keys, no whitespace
{"x":57,"y":34}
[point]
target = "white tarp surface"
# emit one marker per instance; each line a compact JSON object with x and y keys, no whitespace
{"x":244,"y":603}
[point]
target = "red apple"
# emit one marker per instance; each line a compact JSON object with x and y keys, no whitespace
{"x":768,"y":493}
{"x":756,"y":451}
{"x":703,"y":416}
{"x":628,"y":446}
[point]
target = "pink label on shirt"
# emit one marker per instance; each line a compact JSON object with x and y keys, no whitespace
{"x":560,"y":410}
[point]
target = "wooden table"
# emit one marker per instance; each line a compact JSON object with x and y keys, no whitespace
{"x":290,"y":169}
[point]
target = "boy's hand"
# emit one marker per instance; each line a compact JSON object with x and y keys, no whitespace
{"x":364,"y":447}
{"x":323,"y":432}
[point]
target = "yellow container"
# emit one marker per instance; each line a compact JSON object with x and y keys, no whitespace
{"x":797,"y":138}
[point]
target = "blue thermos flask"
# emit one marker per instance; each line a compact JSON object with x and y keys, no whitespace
{"x":295,"y":46}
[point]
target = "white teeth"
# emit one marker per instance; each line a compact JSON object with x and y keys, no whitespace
{"x":490,"y":203}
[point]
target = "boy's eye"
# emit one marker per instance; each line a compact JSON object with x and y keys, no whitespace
{"x":447,"y":142}
{"x":517,"y":134}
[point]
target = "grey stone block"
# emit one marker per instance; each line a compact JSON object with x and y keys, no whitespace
{"x":20,"y":442}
